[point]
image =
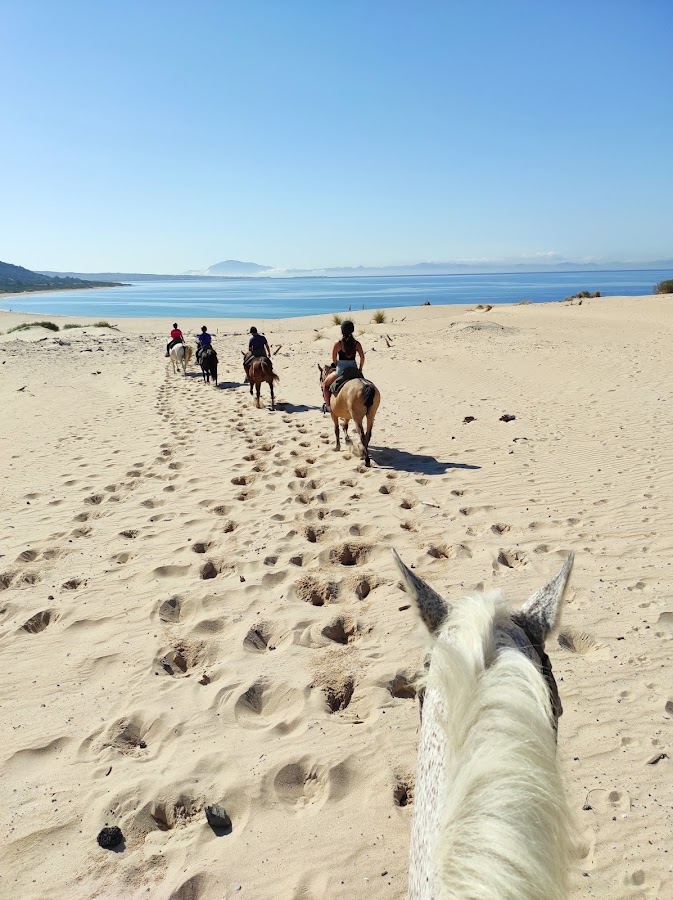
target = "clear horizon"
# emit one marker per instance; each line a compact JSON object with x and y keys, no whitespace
{"x":162,"y":138}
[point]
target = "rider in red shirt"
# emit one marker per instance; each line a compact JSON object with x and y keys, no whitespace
{"x":176,"y":338}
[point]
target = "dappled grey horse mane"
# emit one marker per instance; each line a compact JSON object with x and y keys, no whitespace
{"x":490,"y":818}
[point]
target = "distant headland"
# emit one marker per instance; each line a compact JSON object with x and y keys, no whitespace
{"x":17,"y":280}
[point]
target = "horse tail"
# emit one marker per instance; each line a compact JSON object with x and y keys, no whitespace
{"x":267,"y":368}
{"x":368,"y":393}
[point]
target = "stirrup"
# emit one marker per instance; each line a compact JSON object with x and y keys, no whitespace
{"x":325,"y":408}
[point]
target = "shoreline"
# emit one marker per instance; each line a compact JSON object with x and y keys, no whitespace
{"x":396,"y":316}
{"x":60,"y":290}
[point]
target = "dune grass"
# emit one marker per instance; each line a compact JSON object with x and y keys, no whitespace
{"x":379,"y":317}
{"x":102,"y":324}
{"x":72,"y":325}
{"x":583,"y":295}
{"x":24,"y":326}
{"x":664,"y":287}
{"x":337,"y":319}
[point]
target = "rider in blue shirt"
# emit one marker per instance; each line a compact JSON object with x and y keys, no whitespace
{"x":204,"y":340}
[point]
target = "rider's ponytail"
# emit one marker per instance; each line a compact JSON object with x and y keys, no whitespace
{"x":347,"y":339}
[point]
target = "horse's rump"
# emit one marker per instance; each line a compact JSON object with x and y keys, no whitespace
{"x":264,"y":364}
{"x":186,"y":351}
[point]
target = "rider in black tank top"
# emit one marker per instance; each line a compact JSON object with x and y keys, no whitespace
{"x":341,"y":355}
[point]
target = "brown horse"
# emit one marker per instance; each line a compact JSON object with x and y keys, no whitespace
{"x":358,"y":399}
{"x":260,"y":370}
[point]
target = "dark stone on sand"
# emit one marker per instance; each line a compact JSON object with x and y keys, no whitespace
{"x":218,"y":818}
{"x":109,"y":838}
{"x":468,"y":419}
{"x":142,"y":745}
{"x":507,"y":418}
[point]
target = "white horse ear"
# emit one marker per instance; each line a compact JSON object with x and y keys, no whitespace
{"x":432,"y":608}
{"x":542,"y":610}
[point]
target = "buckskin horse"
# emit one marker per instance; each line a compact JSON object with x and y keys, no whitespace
{"x":356,"y":400}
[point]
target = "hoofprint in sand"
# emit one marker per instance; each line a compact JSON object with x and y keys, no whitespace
{"x":198,"y":604}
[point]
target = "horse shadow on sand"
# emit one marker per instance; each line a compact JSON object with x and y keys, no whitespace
{"x":391,"y":458}
{"x":221,"y":385}
{"x":287,"y":407}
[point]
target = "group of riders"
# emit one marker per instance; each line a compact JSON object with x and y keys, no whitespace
{"x":348,"y":357}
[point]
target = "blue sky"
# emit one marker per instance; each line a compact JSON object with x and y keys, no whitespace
{"x":166,"y":136}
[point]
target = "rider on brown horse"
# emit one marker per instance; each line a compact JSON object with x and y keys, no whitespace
{"x":258,"y":346}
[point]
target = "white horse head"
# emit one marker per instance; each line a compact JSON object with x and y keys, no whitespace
{"x":490,"y":817}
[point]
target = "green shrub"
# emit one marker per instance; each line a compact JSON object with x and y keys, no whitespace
{"x":72,"y":325}
{"x":664,"y":287}
{"x":26,"y":325}
{"x":102,"y":324}
{"x":379,"y":317}
{"x":583,"y":295}
{"x":337,"y":319}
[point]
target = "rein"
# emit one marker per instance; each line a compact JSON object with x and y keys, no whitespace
{"x":545,"y":663}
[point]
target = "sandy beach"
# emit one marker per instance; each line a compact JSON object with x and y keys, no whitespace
{"x":198,"y":603}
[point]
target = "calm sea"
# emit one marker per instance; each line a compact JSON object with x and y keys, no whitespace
{"x":273,"y":298}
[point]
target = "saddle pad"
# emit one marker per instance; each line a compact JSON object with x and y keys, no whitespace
{"x":336,"y":385}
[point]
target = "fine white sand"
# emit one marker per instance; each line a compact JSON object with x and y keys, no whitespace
{"x":182,"y":569}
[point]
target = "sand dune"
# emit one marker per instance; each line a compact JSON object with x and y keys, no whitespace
{"x":198,"y":604}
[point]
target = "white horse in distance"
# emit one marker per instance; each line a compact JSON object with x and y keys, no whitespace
{"x":490,"y":818}
{"x":180,"y":356}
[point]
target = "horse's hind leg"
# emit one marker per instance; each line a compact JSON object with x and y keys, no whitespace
{"x":273,"y":402}
{"x":365,"y":443}
{"x":258,"y":387}
{"x":335,"y":419}
{"x":347,"y":436}
{"x":370,"y":424}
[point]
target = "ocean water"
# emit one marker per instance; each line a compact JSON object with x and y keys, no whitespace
{"x":272,"y":298}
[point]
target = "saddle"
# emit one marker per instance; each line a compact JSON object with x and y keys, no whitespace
{"x":250,"y":357}
{"x":341,"y":380}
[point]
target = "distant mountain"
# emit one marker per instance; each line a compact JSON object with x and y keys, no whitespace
{"x":234,"y":267}
{"x":17,"y":280}
{"x":478,"y":267}
{"x":143,"y":276}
